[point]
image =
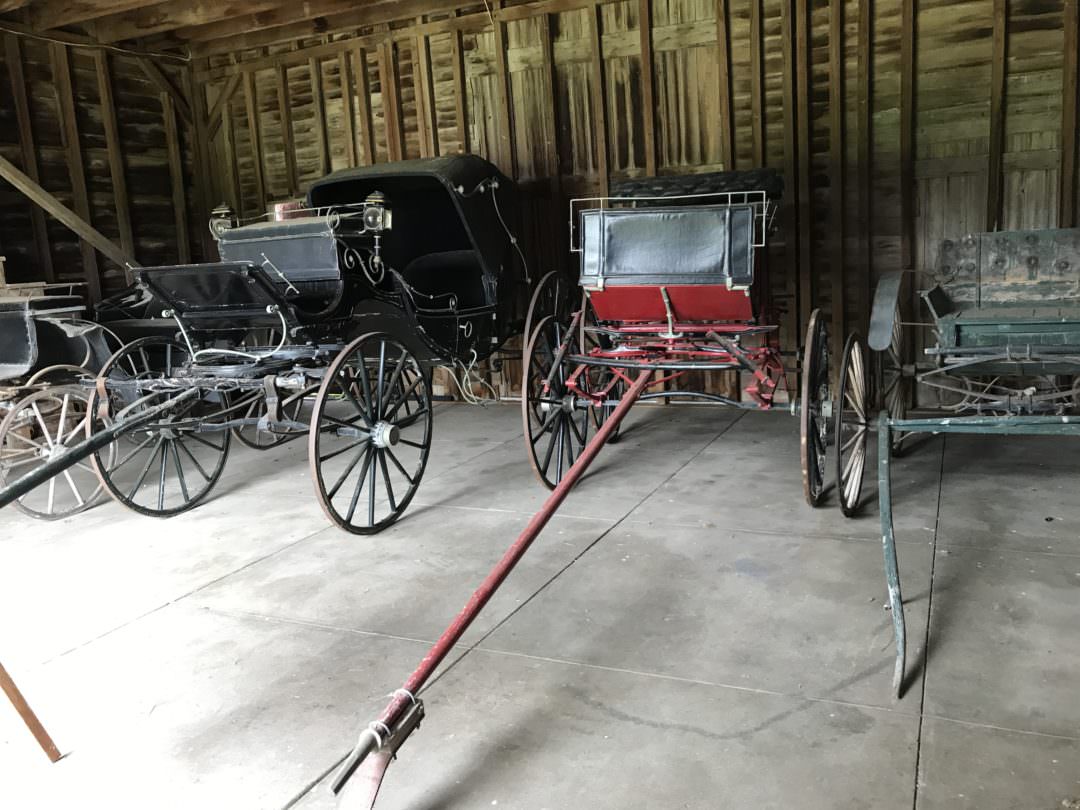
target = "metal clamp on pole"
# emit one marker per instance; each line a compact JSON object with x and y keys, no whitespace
{"x":381,"y":744}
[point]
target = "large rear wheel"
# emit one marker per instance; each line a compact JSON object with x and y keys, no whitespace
{"x":852,"y":425}
{"x":370,"y":434}
{"x":814,"y":408}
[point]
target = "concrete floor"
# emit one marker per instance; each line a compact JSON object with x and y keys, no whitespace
{"x":686,"y":633}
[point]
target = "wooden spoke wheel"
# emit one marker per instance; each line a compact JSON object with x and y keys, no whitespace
{"x":813,"y":410}
{"x":370,"y":433}
{"x":555,"y":421}
{"x":255,"y":437}
{"x":894,"y":385}
{"x":169,"y":465}
{"x":38,"y":428}
{"x":550,"y":296}
{"x":852,"y":424}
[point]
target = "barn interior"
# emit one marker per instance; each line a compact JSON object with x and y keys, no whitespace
{"x":832,"y":559}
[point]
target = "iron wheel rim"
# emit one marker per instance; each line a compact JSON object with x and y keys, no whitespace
{"x":813,"y":426}
{"x":852,"y":425}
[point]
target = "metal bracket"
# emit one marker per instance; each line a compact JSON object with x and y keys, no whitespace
{"x":382,"y":749}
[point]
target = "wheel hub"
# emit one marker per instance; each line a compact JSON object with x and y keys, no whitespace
{"x":385,"y":435}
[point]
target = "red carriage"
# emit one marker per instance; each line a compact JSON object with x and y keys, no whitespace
{"x":671,"y":283}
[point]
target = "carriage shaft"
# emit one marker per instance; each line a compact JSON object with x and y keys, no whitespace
{"x":405,"y":697}
{"x":85,"y":448}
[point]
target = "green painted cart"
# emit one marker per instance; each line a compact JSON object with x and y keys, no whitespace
{"x":1002,"y":356}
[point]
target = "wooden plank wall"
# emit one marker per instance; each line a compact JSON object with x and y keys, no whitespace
{"x":897,"y":123}
{"x":99,"y":133}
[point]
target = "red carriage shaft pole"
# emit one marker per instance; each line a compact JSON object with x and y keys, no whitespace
{"x":405,"y":696}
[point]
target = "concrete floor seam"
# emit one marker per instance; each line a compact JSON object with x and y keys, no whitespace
{"x":926,"y":637}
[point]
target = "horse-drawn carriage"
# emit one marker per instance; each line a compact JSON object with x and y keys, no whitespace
{"x":1002,"y":355}
{"x":323,"y":321}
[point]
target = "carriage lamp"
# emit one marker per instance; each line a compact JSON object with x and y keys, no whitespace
{"x":222,"y":219}
{"x":376,"y":216}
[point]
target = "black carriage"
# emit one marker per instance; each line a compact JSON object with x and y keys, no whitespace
{"x":323,"y":319}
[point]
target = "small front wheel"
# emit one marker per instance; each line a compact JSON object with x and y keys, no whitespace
{"x":370,"y":434}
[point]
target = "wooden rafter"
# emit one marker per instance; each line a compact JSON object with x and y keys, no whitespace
{"x":46,"y":14}
{"x":171,"y":15}
{"x":165,"y":85}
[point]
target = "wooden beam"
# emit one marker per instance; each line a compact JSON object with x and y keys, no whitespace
{"x":425,"y":98}
{"x":116,"y":154}
{"x":507,"y":148}
{"x":907,"y":134}
{"x":232,"y":170}
{"x":864,"y":69}
{"x":176,"y":179}
{"x":52,"y":206}
{"x":359,"y":16}
{"x":7,"y":684}
{"x":69,"y":129}
{"x":227,"y":92}
{"x":202,"y":161}
{"x":599,"y":110}
{"x":995,"y":181}
{"x":757,"y":84}
{"x":285,"y":116}
{"x":807,"y":281}
{"x":1070,"y":104}
{"x":391,"y":98}
{"x":251,"y":103}
{"x":7,"y":6}
{"x":552,"y":149}
{"x":837,"y":195}
{"x":348,"y":119}
{"x":46,"y":14}
{"x":312,"y":12}
{"x":648,"y":85}
{"x":171,"y":15}
{"x":363,"y":99}
{"x":318,"y":119}
{"x":791,"y":163}
{"x":723,"y":60}
{"x":164,"y":85}
{"x":460,"y":91}
{"x":13,"y":55}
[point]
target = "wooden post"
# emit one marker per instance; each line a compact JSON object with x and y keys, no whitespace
{"x":723,"y":61}
{"x":69,"y":129}
{"x":13,"y":53}
{"x":837,"y":197}
{"x":648,"y":85}
{"x":507,"y":147}
{"x":807,"y":285}
{"x":363,"y":99}
{"x":757,"y":85}
{"x":216,"y":115}
{"x":116,"y":155}
{"x":600,"y":131}
{"x":318,"y":112}
{"x":202,"y":168}
{"x":547,"y":49}
{"x":348,"y":121}
{"x":458,"y":58}
{"x":232,"y":170}
{"x":995,"y":180}
{"x":285,"y":116}
{"x":791,"y":162}
{"x":907,"y":133}
{"x":391,"y":94}
{"x":1070,"y":102}
{"x":28,"y":716}
{"x":865,"y":153}
{"x":425,"y":101}
{"x":251,"y":102}
{"x":176,"y":178}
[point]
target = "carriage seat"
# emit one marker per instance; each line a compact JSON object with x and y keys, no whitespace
{"x":304,"y":249}
{"x":671,"y":245}
{"x":457,"y":272}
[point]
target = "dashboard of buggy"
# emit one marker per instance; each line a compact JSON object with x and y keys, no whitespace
{"x":226,"y":295}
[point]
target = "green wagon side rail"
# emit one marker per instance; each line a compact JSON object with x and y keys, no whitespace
{"x":985,"y":425}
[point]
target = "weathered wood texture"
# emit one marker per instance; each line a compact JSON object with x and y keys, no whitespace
{"x":102,"y":136}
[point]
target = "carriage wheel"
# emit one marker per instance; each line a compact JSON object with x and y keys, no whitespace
{"x":813,"y":419}
{"x":370,"y":434}
{"x":167,"y":466}
{"x":550,"y":297}
{"x":556,"y":423}
{"x":895,"y":386}
{"x":37,"y":429}
{"x":852,"y":424}
{"x":257,"y":439}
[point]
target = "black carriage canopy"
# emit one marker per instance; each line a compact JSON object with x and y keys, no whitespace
{"x":446,"y":217}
